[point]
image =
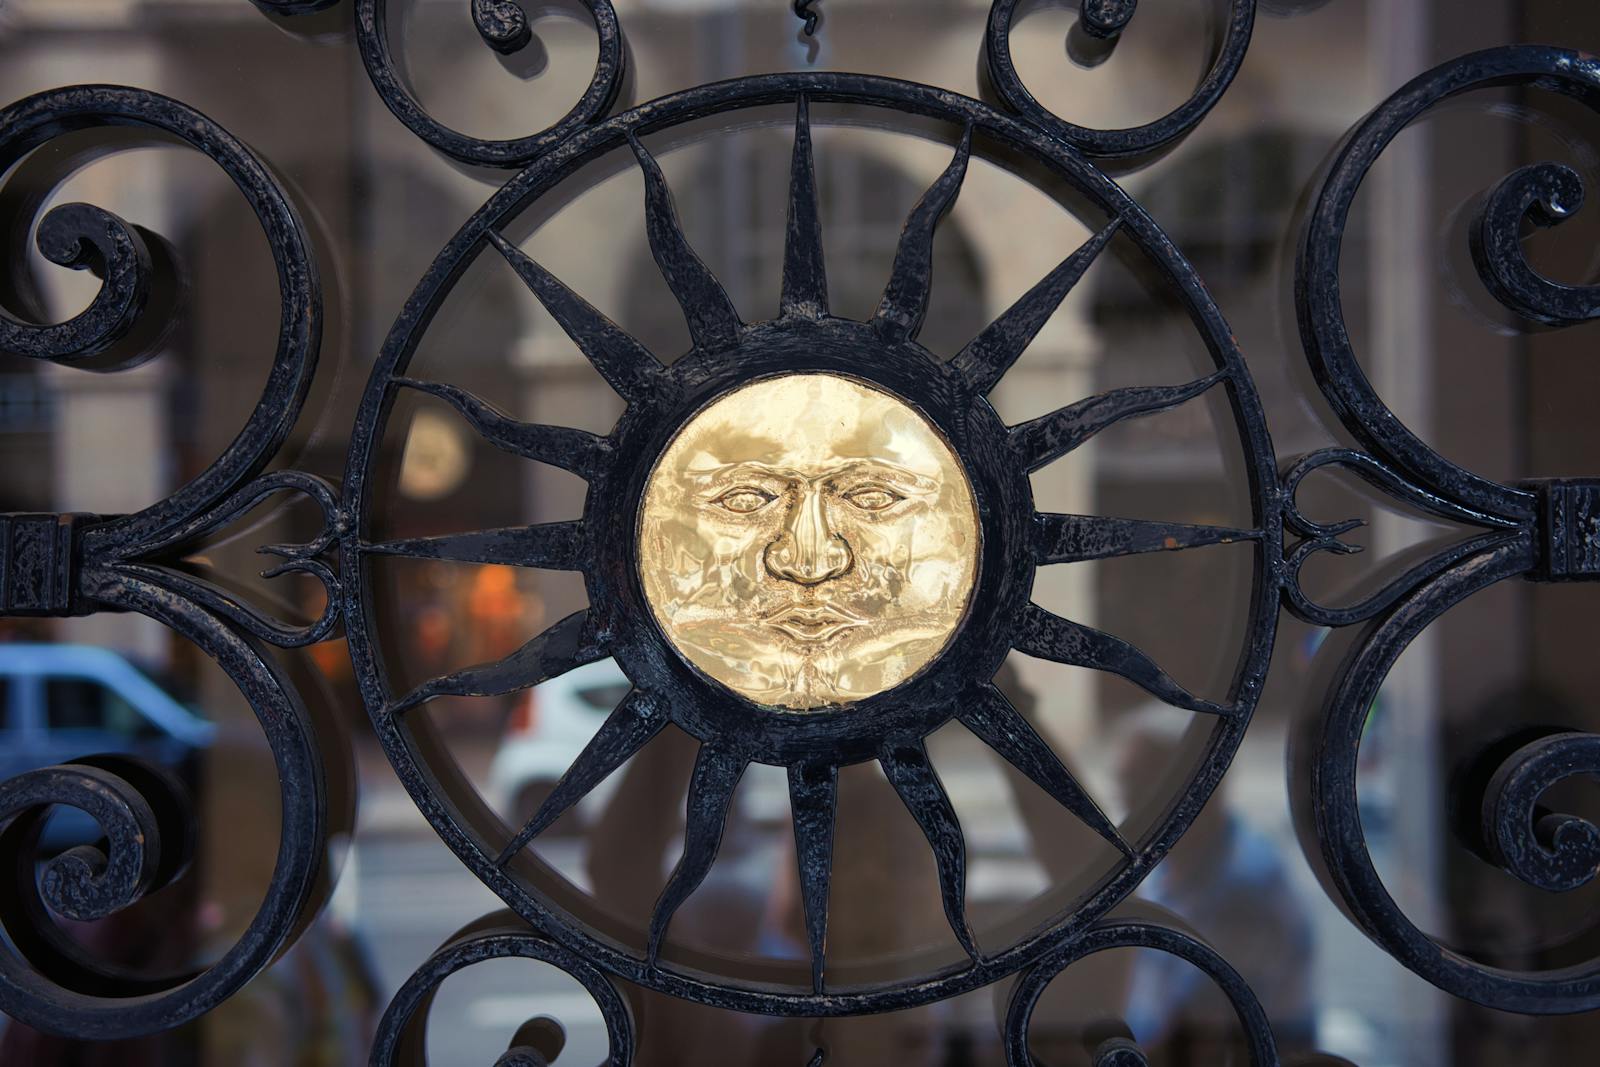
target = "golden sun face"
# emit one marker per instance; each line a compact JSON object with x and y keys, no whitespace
{"x":808,"y":540}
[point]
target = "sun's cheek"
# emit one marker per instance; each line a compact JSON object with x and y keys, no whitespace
{"x":941,"y":554}
{"x":884,"y":555}
{"x":729,"y":560}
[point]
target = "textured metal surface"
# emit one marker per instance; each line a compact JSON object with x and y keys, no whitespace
{"x":72,"y":564}
{"x":39,"y":564}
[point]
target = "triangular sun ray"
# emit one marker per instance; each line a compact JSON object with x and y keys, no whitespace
{"x":632,"y":723}
{"x":713,"y":321}
{"x":1049,"y":636}
{"x":555,"y":546}
{"x":570,"y":643}
{"x":913,"y":777}
{"x":988,"y":356}
{"x":1049,"y":437}
{"x":716,"y":775}
{"x":1070,"y":538}
{"x":805,"y":281}
{"x":813,"y":796}
{"x":629,"y":367}
{"x":905,"y":299}
{"x":1004,"y":729}
{"x":571,"y":449}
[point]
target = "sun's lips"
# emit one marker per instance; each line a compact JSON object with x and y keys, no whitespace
{"x":807,"y":622}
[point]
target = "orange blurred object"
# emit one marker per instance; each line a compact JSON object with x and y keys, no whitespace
{"x":525,"y":716}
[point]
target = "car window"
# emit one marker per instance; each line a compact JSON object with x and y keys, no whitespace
{"x":86,"y":704}
{"x":603,"y":697}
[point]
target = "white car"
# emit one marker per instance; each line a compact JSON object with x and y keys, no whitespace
{"x":549,"y":727}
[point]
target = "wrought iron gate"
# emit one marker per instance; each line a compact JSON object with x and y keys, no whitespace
{"x":76,"y":564}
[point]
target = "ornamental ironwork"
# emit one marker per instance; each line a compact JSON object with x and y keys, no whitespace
{"x":807,"y":542}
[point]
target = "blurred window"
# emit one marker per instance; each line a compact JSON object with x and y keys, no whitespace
{"x":85,"y":704}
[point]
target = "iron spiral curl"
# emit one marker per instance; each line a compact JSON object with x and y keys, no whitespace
{"x":1105,"y":21}
{"x":147,"y":839}
{"x":1146,"y":932}
{"x":503,"y":25}
{"x":1548,"y":850}
{"x":99,"y":563}
{"x":1539,"y":531}
{"x":402,"y":1033}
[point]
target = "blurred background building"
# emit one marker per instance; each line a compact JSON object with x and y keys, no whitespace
{"x":380,"y":205}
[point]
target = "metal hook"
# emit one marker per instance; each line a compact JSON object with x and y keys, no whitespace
{"x":802,"y":9}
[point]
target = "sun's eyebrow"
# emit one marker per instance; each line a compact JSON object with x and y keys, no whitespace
{"x":734,"y":471}
{"x":886,"y":471}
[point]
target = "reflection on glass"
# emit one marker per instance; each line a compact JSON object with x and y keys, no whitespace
{"x":808,"y":540}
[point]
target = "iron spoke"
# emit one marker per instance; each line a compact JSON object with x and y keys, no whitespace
{"x":571,"y":449}
{"x":905,"y":299}
{"x":716,"y":774}
{"x":570,"y":643}
{"x":1049,"y":636}
{"x":632,"y":723}
{"x":1004,"y":729}
{"x":627,"y":365}
{"x":913,"y":777}
{"x":1069,"y":538}
{"x":713,"y":322}
{"x":805,"y":281}
{"x":988,"y":356}
{"x":1049,"y":437}
{"x":554,"y":546}
{"x":813,"y":796}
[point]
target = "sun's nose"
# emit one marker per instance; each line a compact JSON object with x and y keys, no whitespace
{"x":807,"y":550}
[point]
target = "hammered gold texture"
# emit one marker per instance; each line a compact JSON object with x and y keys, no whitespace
{"x":808,"y":540}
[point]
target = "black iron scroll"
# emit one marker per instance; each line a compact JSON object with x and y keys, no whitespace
{"x":1542,"y":531}
{"x":59,"y":565}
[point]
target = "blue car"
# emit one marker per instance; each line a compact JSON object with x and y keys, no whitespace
{"x":62,"y":702}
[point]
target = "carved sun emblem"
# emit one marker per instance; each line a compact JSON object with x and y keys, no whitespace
{"x":808,"y":540}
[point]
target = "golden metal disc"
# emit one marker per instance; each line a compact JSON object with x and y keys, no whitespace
{"x":808,"y":540}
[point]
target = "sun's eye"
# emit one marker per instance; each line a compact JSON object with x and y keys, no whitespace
{"x":744,"y":499}
{"x":873,"y":498}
